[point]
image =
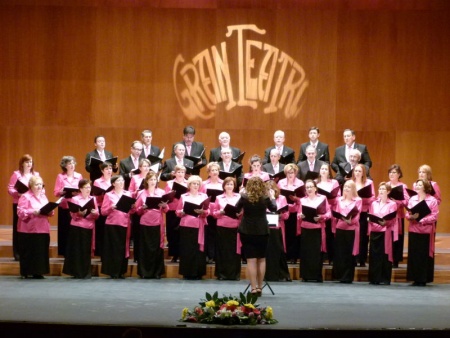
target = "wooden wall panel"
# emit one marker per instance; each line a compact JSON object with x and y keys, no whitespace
{"x":68,"y":73}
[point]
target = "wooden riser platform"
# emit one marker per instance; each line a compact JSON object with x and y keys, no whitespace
{"x":8,"y":267}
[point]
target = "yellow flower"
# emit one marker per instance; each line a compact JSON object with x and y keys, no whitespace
{"x":184,"y":313}
{"x":232,"y":303}
{"x":249,"y":305}
{"x":269,"y":312}
{"x":210,"y":303}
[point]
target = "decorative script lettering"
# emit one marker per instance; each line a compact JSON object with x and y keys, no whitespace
{"x":248,"y":73}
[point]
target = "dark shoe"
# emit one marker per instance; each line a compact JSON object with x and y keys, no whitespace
{"x":259,"y":292}
{"x":362,"y":265}
{"x":38,"y":277}
{"x":293,"y":261}
{"x":395,"y":265}
{"x":174,"y":259}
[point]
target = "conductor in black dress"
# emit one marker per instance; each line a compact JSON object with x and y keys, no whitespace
{"x":254,"y":229}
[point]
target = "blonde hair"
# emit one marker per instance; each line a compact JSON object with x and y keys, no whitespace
{"x":194,"y":178}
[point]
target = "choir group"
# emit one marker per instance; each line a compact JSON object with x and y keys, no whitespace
{"x":341,"y":221}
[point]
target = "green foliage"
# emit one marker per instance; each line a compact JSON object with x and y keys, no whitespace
{"x":229,"y":310}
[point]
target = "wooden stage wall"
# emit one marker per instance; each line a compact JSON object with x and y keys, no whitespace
{"x":68,"y":73}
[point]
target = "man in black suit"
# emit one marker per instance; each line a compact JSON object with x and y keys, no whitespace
{"x":323,"y":153}
{"x":100,"y":153}
{"x":194,"y":151}
{"x":345,"y":168}
{"x":168,"y":172}
{"x":274,"y":166}
{"x":215,"y":155}
{"x":148,"y":148}
{"x":287,"y":154}
{"x":130,"y":163}
{"x":228,"y":166}
{"x":310,"y":164}
{"x":342,"y":154}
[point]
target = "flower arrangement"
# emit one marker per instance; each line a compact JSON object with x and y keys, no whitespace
{"x":229,"y":310}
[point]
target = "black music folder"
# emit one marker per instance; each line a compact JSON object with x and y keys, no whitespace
{"x":224,"y":174}
{"x":287,"y":159}
{"x":125,"y":203}
{"x":49,"y":207}
{"x":378,"y":219}
{"x":396,"y":193}
{"x":179,"y":189}
{"x":239,"y":158}
{"x":20,"y":187}
{"x":231,"y":211}
{"x":420,"y":208}
{"x":97,"y":191}
{"x":282,"y":209}
{"x":278,"y":176}
{"x":311,"y":175}
{"x":88,"y":207}
{"x":69,"y":192}
{"x":311,"y":212}
{"x":365,"y":192}
{"x":94,"y":162}
{"x":153,"y":202}
{"x":154,"y":159}
{"x":352,"y":213}
{"x":196,"y":159}
{"x":213,"y":193}
{"x":299,"y":192}
{"x":189,"y":207}
{"x":329,"y":194}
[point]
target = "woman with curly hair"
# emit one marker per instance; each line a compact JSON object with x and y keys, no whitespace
{"x":254,"y":228}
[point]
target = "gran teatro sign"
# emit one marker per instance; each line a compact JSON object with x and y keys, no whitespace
{"x":240,"y":72}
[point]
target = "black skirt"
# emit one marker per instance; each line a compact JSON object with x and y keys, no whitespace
{"x":420,"y":265}
{"x":210,"y":237}
{"x":311,"y":255}
{"x":344,"y":260}
{"x":78,"y":253}
{"x":363,"y":238}
{"x":228,"y":262}
{"x":151,"y":255}
{"x":380,"y":268}
{"x":63,"y":230}
{"x":292,"y":240}
{"x":33,"y":251}
{"x":192,"y":260}
{"x":398,"y":246}
{"x":276,"y":264}
{"x":99,"y":233}
{"x":114,"y":260}
{"x":173,"y":233}
{"x":254,"y":246}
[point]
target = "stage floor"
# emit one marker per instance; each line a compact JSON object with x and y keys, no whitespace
{"x":143,"y":304}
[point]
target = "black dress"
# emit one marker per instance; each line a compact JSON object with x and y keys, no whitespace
{"x":254,"y":227}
